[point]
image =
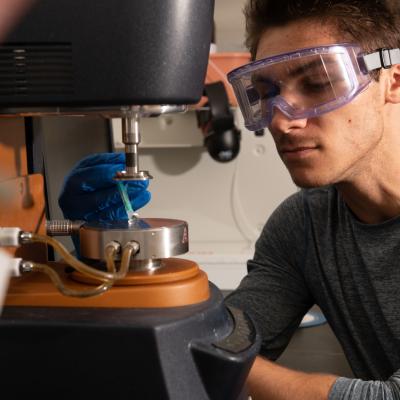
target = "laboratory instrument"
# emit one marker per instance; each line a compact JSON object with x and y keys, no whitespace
{"x":128,"y":319}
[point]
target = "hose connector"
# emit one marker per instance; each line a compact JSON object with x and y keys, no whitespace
{"x":63,"y":227}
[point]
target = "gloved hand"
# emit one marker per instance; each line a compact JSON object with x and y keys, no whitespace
{"x":89,"y":192}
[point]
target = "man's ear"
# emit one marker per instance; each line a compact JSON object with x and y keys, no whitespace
{"x":393,"y":87}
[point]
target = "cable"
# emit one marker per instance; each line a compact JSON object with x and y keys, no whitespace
{"x":130,"y":249}
{"x":71,"y":260}
{"x":14,"y":237}
{"x":55,"y":278}
{"x":242,"y":223}
{"x":111,"y":251}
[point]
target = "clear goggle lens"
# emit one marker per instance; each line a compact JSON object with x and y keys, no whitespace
{"x":303,"y":84}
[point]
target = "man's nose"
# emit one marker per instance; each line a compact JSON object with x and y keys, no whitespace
{"x":280,"y":122}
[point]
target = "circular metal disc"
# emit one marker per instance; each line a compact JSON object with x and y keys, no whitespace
{"x":139,"y":176}
{"x":157,"y":237}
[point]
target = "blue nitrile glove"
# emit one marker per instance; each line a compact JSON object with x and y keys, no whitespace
{"x":89,"y":192}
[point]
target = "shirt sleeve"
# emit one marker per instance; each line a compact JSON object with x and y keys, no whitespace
{"x":357,"y":389}
{"x":274,"y":292}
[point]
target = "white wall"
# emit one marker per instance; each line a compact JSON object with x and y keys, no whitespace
{"x":230,"y":25}
{"x":225,"y":204}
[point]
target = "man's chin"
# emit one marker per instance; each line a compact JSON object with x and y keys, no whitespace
{"x":309,"y":182}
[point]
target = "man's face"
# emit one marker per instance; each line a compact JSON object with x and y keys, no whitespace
{"x":334,"y":147}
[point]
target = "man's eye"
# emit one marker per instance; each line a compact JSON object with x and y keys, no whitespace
{"x":267,"y":92}
{"x":316,"y":86}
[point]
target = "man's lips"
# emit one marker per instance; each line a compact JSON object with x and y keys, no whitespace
{"x":297,"y":149}
{"x":298,"y":152}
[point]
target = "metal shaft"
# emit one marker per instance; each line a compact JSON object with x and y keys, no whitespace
{"x":131,"y":139}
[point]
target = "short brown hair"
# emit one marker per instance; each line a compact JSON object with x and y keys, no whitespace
{"x":372,"y":24}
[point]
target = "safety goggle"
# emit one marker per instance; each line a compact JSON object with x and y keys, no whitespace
{"x":305,"y":83}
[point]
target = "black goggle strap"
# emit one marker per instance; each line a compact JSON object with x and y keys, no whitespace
{"x":382,"y":58}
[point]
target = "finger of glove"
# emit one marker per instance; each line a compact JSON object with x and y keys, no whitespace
{"x":90,"y":179}
{"x":112,"y":213}
{"x":137,"y":184}
{"x":83,"y":204}
{"x":137,"y":197}
{"x":117,"y":211}
{"x":140,"y":199}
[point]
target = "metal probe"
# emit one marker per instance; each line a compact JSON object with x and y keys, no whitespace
{"x":131,"y":139}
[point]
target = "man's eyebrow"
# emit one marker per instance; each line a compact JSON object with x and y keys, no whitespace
{"x":293,"y":72}
{"x":301,"y":69}
{"x":255,"y":78}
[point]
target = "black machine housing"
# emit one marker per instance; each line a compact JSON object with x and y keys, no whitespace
{"x":198,"y":352}
{"x":107,"y":52}
{"x":104,"y":53}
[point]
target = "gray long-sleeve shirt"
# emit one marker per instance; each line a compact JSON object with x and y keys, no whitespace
{"x":314,"y":251}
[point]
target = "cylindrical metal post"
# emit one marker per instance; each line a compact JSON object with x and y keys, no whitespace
{"x":131,"y":139}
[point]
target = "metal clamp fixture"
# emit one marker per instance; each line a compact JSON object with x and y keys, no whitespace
{"x":157,"y":238}
{"x":131,"y":139}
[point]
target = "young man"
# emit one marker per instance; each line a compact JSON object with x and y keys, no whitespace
{"x":334,"y":114}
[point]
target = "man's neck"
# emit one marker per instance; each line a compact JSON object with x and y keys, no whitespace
{"x":372,"y":191}
{"x":372,"y":202}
